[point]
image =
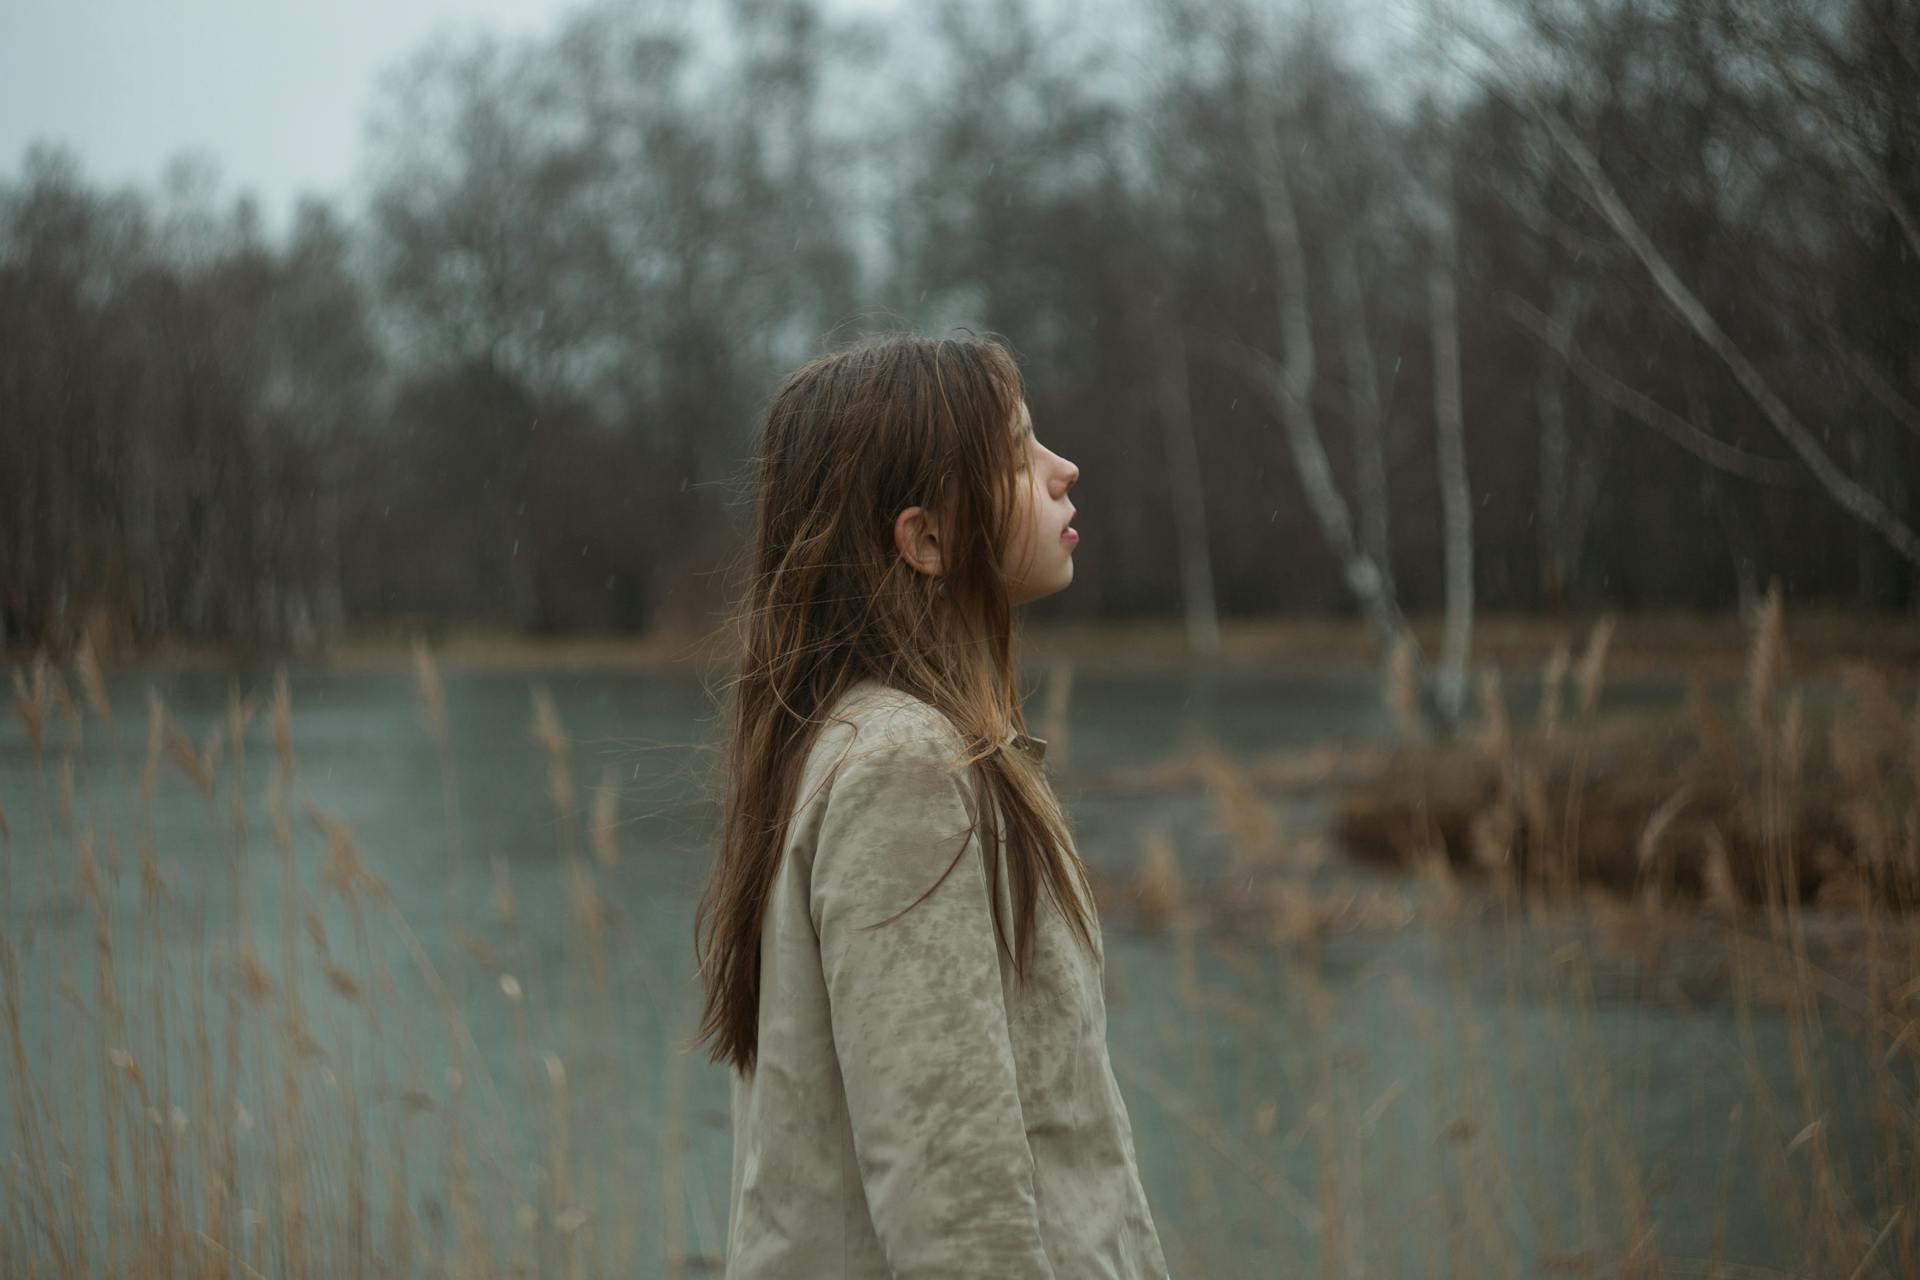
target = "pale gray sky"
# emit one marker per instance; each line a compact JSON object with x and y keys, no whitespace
{"x":276,"y":92}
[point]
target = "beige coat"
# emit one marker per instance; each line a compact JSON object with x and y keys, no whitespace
{"x":915,"y":1112}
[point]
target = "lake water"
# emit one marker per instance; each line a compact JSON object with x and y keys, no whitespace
{"x":1469,"y":1087}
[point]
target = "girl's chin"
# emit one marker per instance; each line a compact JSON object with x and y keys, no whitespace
{"x":1028,"y":594}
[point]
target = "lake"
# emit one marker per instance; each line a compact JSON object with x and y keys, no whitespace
{"x":1451,"y":1081}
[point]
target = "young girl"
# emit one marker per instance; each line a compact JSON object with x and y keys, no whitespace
{"x":900,"y":952}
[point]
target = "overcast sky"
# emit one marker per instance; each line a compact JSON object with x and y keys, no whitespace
{"x":276,"y":92}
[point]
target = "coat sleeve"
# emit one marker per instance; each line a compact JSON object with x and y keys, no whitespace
{"x":920,"y":1022}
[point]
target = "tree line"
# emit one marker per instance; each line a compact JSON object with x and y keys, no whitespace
{"x":1611,"y":302}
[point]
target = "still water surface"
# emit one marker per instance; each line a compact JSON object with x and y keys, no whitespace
{"x":1473,"y":1088}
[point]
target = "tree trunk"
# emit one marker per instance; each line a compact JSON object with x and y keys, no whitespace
{"x":1556,"y":459}
{"x":1188,"y":493}
{"x":1456,"y":498}
{"x":1288,"y":382}
{"x":1364,"y":409}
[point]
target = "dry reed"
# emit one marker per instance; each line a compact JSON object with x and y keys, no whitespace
{"x":212,"y":1103}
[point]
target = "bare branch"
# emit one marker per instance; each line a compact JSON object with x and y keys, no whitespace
{"x":1852,"y":497}
{"x":1714,"y":452}
{"x":1903,"y":410}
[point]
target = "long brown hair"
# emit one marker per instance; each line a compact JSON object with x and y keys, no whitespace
{"x":851,"y":439}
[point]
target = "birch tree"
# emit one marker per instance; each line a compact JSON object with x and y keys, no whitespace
{"x":1449,"y":422}
{"x":1288,"y":381}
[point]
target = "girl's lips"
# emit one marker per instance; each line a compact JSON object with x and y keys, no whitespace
{"x":1070,"y":535}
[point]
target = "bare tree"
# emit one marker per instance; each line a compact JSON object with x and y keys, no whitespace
{"x":1161,"y":331}
{"x":1449,"y":420}
{"x":1288,"y":381}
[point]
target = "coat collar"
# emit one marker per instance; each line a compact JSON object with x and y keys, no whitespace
{"x":1036,"y":748}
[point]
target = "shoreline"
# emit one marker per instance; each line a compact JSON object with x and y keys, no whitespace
{"x":1642,"y":645}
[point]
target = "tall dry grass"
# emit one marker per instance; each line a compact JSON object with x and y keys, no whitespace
{"x":209,"y":1090}
{"x":1750,"y":876}
{"x":1799,"y":797}
{"x":1330,"y":1076}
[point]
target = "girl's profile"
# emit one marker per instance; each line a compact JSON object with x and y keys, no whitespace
{"x":900,"y":952}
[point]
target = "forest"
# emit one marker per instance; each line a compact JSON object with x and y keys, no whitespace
{"x":1541,"y":306}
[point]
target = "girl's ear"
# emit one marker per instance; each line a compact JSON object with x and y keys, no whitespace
{"x":917,"y":541}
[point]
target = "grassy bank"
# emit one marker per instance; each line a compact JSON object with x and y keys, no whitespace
{"x":1824,"y":643}
{"x":1793,"y":793}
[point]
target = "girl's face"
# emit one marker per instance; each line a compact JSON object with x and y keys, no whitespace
{"x":1039,"y":558}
